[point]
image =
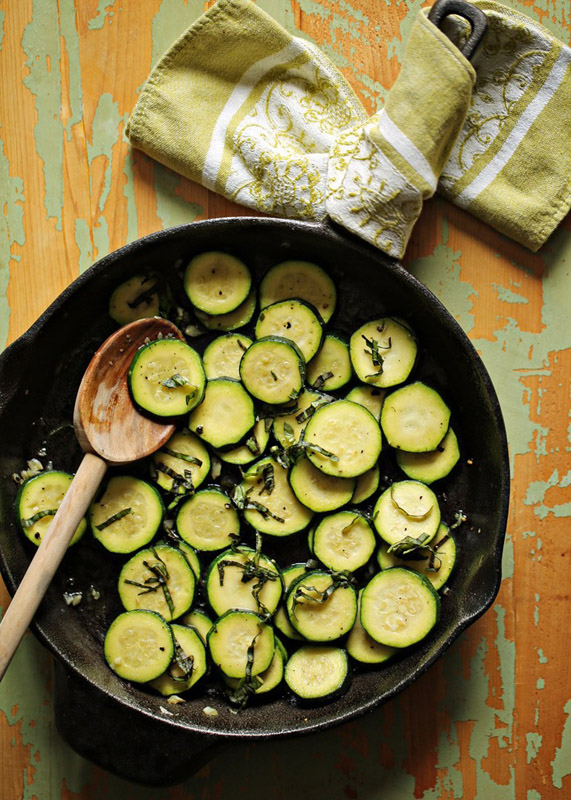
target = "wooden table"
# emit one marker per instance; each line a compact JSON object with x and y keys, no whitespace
{"x":492,"y":719}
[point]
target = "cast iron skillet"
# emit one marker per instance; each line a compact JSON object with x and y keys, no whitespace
{"x":113,"y":722}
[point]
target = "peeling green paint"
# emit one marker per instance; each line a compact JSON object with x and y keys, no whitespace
{"x":2,"y":20}
{"x":84,"y":244}
{"x":541,"y":657}
{"x":535,"y":496}
{"x":129,"y":194}
{"x":104,"y":137}
{"x":104,"y":11}
{"x":533,"y":794}
{"x":171,"y":207}
{"x":540,"y":683}
{"x":170,"y":22}
{"x":70,"y":36}
{"x":507,"y":296}
{"x":41,"y":45}
{"x":536,"y":610}
{"x":11,"y":232}
{"x":561,"y":764}
{"x":534,"y":741}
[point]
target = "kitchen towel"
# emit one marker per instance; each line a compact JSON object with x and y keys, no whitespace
{"x":264,"y":118}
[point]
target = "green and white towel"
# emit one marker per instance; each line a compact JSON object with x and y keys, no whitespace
{"x":263,"y":117}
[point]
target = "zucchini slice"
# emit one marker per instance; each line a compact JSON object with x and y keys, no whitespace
{"x":199,"y":621}
{"x":331,"y":368}
{"x":435,"y":563}
{"x":166,"y":378}
{"x":370,"y":397}
{"x":242,"y":578}
{"x":316,"y":672}
{"x":240,"y":643}
{"x":362,"y":647}
{"x":281,"y":619}
{"x":189,"y":554}
{"x":304,"y":407}
{"x":157,"y":579}
{"x":399,"y":607}
{"x":127,"y":515}
{"x":37,"y":502}
{"x":293,"y":320}
{"x":318,"y":491}
{"x":139,"y":646}
{"x":299,"y":279}
{"x":269,"y":504}
{"x":407,"y":509}
{"x":188,"y":664}
{"x":273,"y":370}
{"x":344,"y":541}
{"x":344,"y":438}
{"x":222,"y":356}
{"x":383,"y":352}
{"x":320,"y":607}
{"x":232,"y":321}
{"x":366,"y":486}
{"x":135,"y":299}
{"x":217,"y":283}
{"x":433,"y":465}
{"x":208,"y":520}
{"x":225,"y":415}
{"x":184,"y":457}
{"x":415,"y":418}
{"x":270,"y":678}
{"x":254,"y":446}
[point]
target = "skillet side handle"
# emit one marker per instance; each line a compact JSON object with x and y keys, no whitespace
{"x":123,"y":741}
{"x":474,"y":16}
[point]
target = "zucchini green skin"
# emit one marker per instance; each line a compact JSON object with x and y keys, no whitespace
{"x":243,"y":453}
{"x":43,"y":492}
{"x":294,"y":320}
{"x":234,"y":320}
{"x":317,"y":490}
{"x":139,"y":646}
{"x":433,"y":465}
{"x":217,"y":283}
{"x":273,"y":370}
{"x":301,"y":279}
{"x":225,"y":415}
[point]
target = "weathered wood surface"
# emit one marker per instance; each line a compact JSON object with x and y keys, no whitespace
{"x":492,"y":719}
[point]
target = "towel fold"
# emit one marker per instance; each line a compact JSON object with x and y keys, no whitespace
{"x":265,"y":119}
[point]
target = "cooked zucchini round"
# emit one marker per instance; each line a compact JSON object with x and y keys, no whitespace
{"x":433,"y":465}
{"x":299,"y":279}
{"x":271,"y":677}
{"x":199,"y":621}
{"x":217,"y":283}
{"x":188,"y":665}
{"x":407,"y":508}
{"x":277,"y":512}
{"x":344,"y":541}
{"x":254,"y":446}
{"x":293,"y":320}
{"x":415,"y":418}
{"x":366,"y":486}
{"x":288,"y":427}
{"x":383,"y":352}
{"x":166,"y":378}
{"x":435,"y":563}
{"x":281,"y":619}
{"x":344,"y":438}
{"x":331,"y":368}
{"x":184,"y":457}
{"x":273,"y":370}
{"x":208,"y":520}
{"x":225,"y":415}
{"x":232,"y":321}
{"x":370,"y":397}
{"x":136,"y":298}
{"x":37,"y":502}
{"x":240,"y":578}
{"x":320,"y":607}
{"x":139,"y":646}
{"x":362,"y":647}
{"x":318,"y":491}
{"x":316,"y":672}
{"x":222,"y":356}
{"x":240,"y":640}
{"x":126,"y":515}
{"x":399,"y":607}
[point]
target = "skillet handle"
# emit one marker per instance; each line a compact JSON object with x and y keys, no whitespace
{"x":474,"y":16}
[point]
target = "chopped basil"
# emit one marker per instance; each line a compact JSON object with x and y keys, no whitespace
{"x":119,"y":515}
{"x":28,"y":523}
{"x":176,"y":380}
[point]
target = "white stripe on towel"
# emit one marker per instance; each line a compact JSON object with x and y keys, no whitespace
{"x":407,"y":149}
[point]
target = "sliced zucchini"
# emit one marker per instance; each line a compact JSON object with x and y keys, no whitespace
{"x":242,"y":578}
{"x":293,"y":320}
{"x":199,"y":621}
{"x":222,"y":356}
{"x":407,"y":509}
{"x":299,"y":279}
{"x":189,"y":553}
{"x":433,"y":465}
{"x":281,"y":619}
{"x":270,"y":678}
{"x":254,"y":446}
{"x":208,"y":520}
{"x":383,"y":352}
{"x":415,"y":418}
{"x":166,"y":378}
{"x":435,"y":563}
{"x":232,"y":321}
{"x":318,"y":491}
{"x":270,"y":506}
{"x":344,"y":541}
{"x":344,"y":438}
{"x":366,"y":486}
{"x":135,"y":299}
{"x":157,"y":579}
{"x":183,"y":458}
{"x":241,"y":644}
{"x":399,"y":607}
{"x":217,"y":283}
{"x":37,"y":502}
{"x":273,"y":370}
{"x":316,"y":672}
{"x":370,"y":397}
{"x":127,"y":515}
{"x":331,"y":368}
{"x":362,"y":647}
{"x":225,"y":415}
{"x":320,"y":606}
{"x":304,"y":407}
{"x":188,"y":664}
{"x":139,"y":646}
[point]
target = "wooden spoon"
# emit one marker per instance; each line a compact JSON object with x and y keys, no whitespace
{"x":111,"y":431}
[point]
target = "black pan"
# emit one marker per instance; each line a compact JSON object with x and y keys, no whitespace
{"x":113,"y":722}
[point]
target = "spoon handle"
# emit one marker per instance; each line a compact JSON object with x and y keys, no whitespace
{"x":49,"y":555}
